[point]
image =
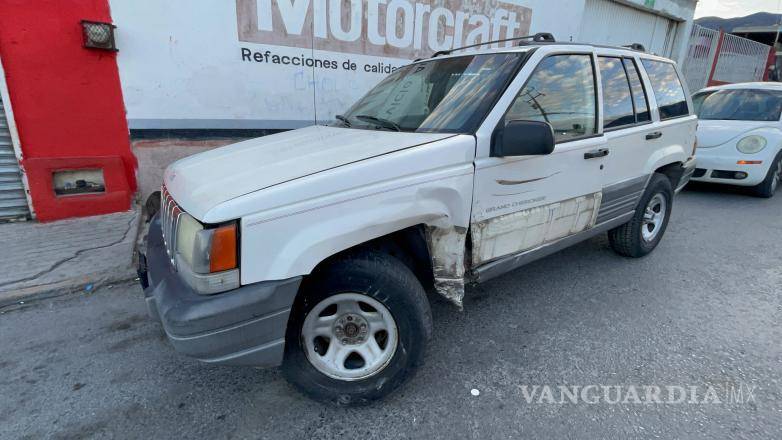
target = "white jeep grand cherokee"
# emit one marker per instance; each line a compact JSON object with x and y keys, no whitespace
{"x":313,"y":248}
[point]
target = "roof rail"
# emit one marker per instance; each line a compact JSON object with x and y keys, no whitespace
{"x":540,"y":37}
{"x":636,"y":46}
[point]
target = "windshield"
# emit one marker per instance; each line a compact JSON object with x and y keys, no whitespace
{"x":450,"y":95}
{"x":739,"y":105}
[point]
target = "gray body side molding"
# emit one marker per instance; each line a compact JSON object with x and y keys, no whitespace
{"x":621,"y":198}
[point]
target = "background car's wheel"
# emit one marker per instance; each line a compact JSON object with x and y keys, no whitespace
{"x":641,"y":235}
{"x":358,"y":330}
{"x":769,"y":185}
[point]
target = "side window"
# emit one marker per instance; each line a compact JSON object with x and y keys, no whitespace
{"x":642,"y":113}
{"x":667,"y":89}
{"x":617,"y":100}
{"x":561,"y":91}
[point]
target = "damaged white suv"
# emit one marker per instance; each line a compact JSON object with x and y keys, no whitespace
{"x":313,"y":248}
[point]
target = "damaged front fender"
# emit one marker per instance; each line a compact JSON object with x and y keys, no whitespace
{"x":447,"y":248}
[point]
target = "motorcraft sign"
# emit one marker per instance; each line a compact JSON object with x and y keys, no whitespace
{"x":385,"y":28}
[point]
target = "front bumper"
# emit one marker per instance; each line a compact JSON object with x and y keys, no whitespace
{"x":714,"y":166}
{"x":244,"y":326}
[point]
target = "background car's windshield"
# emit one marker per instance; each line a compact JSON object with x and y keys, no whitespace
{"x":739,"y":105}
{"x":447,"y":95}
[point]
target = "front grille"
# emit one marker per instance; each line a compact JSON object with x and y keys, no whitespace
{"x":699,"y":172}
{"x":169,"y":220}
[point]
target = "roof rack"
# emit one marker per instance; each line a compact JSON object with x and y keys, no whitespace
{"x":540,"y":37}
{"x":636,"y":46}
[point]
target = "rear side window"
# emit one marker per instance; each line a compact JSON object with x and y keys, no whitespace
{"x":667,"y":89}
{"x":617,"y":99}
{"x":642,"y":113}
{"x":561,"y":91}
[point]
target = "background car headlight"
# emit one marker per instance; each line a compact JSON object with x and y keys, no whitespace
{"x":751,"y":144}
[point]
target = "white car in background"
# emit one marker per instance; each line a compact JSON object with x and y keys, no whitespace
{"x":740,"y":136}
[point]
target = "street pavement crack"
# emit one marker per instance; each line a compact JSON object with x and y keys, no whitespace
{"x":74,"y":256}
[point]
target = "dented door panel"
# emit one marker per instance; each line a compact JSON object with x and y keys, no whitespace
{"x":524,"y":203}
{"x":531,"y":228}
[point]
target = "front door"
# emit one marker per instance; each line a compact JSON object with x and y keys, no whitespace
{"x":522,"y":203}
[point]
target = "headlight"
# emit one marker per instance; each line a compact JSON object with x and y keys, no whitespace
{"x":751,"y":144}
{"x":188,"y":243}
{"x":207,"y":259}
{"x":206,"y":250}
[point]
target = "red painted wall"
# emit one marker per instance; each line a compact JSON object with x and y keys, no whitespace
{"x":67,"y":103}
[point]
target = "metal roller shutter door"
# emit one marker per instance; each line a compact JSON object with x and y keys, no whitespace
{"x":13,"y":201}
{"x":612,"y":23}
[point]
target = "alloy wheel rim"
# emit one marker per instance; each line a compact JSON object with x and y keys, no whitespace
{"x":349,"y":336}
{"x":654,"y":216}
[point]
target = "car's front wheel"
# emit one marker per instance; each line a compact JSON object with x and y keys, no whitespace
{"x":770,"y":184}
{"x":358,"y":330}
{"x":641,"y":235}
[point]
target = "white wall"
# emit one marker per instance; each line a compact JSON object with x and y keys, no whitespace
{"x":561,"y":18}
{"x":180,"y":67}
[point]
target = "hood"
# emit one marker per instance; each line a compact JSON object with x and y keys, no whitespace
{"x":200,"y":182}
{"x":714,"y":133}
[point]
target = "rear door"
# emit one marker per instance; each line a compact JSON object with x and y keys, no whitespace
{"x":627,"y":122}
{"x":521,"y":203}
{"x":675,"y":122}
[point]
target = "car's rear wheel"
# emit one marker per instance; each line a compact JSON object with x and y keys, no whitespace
{"x":643,"y":233}
{"x":358,"y":330}
{"x":770,"y":184}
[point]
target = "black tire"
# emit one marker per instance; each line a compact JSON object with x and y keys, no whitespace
{"x":627,"y":240}
{"x":768,"y":186}
{"x":385,"y":279}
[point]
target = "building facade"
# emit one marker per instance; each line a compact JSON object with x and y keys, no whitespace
{"x":192,"y":75}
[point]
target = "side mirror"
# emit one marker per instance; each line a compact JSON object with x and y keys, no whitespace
{"x":524,"y":138}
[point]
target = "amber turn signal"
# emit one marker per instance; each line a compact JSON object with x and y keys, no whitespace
{"x":749,"y":162}
{"x":223,"y":254}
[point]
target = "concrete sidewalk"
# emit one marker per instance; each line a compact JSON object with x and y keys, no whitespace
{"x":76,"y":254}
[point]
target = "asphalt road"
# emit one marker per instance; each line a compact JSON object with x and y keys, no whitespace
{"x":704,"y":310}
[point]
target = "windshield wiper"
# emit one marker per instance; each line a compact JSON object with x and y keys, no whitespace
{"x":380,"y":121}
{"x":343,"y":119}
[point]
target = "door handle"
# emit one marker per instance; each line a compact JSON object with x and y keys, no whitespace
{"x":655,"y":135}
{"x":603,"y":152}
